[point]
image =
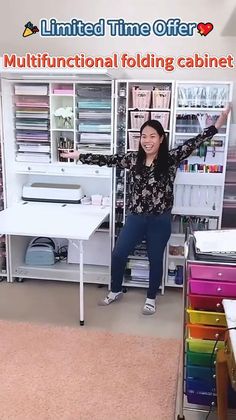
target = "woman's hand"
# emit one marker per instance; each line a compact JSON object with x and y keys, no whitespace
{"x":222,"y":119}
{"x":71,"y":155}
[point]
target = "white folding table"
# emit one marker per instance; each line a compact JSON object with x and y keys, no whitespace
{"x":70,"y":221}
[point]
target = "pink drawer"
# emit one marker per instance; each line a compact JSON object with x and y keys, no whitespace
{"x":213,"y":288}
{"x":212,"y":272}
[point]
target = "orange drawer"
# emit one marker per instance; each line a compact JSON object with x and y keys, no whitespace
{"x":204,"y":332}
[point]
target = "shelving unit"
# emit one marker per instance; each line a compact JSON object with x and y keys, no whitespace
{"x":229,"y":204}
{"x":137,"y":101}
{"x":3,"y":239}
{"x":104,"y":117}
{"x":199,"y":183}
{"x":67,"y":112}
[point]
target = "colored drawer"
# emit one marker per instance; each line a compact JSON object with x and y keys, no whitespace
{"x":201,"y":373}
{"x":196,"y":399}
{"x":212,"y":288}
{"x":207,"y":318}
{"x":209,"y":303}
{"x":213,"y":272}
{"x":200,"y":387}
{"x":200,"y":359}
{"x":205,"y":333}
{"x":203,"y":346}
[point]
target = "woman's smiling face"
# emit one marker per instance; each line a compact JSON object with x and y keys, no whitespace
{"x":150,"y":141}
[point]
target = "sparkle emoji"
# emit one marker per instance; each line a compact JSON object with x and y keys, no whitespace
{"x":30,"y":29}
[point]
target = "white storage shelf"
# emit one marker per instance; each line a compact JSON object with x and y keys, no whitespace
{"x":61,"y":92}
{"x":174,"y":256}
{"x":199,"y":104}
{"x":62,"y":271}
{"x":127,"y":131}
{"x":55,"y":128}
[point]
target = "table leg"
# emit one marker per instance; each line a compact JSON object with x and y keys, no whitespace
{"x":81,"y":282}
{"x":222,"y":381}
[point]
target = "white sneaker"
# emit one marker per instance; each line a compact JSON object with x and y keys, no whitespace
{"x":110,"y":298}
{"x":149,"y":307}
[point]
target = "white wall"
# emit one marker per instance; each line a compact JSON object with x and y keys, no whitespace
{"x":14,"y":14}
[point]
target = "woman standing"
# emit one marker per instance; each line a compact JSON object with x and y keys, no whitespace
{"x":152,"y":172}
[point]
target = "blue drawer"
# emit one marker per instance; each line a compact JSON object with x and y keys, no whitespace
{"x":197,"y":386}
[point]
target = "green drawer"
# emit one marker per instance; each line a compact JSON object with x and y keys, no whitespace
{"x":203,"y":346}
{"x":200,"y":359}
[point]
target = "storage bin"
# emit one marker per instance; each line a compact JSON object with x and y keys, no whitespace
{"x":212,"y":272}
{"x":160,"y":98}
{"x":141,"y":98}
{"x":203,"y":346}
{"x":209,"y":303}
{"x":162,"y":117}
{"x":200,"y":359}
{"x":201,"y":373}
{"x":212,"y":288}
{"x":134,"y":139}
{"x":207,"y":318}
{"x":201,"y":399}
{"x":138,"y":118}
{"x":200,"y":392}
{"x":205,"y":333}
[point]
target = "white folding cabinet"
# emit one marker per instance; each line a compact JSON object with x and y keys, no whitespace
{"x":92,"y":179}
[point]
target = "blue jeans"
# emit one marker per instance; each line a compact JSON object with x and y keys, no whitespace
{"x":156,"y":230}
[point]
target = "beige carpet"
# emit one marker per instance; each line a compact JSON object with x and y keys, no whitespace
{"x":50,"y":373}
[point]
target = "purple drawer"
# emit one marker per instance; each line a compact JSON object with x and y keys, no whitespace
{"x":212,"y":272}
{"x":201,"y":399}
{"x":212,"y":288}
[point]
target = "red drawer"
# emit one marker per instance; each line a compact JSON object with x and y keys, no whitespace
{"x":212,"y":272}
{"x":212,"y":288}
{"x":207,"y":303}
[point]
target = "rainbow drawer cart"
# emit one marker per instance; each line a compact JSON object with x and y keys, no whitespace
{"x":207,"y":284}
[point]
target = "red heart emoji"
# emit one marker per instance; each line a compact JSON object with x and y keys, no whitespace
{"x":205,"y":28}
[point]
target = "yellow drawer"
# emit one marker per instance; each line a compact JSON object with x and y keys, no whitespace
{"x":203,"y":346}
{"x":207,"y":318}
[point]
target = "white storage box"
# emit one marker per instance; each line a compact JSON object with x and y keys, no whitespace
{"x":162,"y":117}
{"x":97,"y":250}
{"x":141,"y":98}
{"x":160,"y":98}
{"x":134,"y":139}
{"x":138,"y":118}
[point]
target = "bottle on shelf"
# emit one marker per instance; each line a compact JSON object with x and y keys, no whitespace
{"x":179,"y":276}
{"x":171,"y":273}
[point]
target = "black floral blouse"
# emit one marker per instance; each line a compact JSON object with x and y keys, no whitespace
{"x":147,"y":195}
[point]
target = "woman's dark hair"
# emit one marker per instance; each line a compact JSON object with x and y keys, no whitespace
{"x":161,"y":165}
